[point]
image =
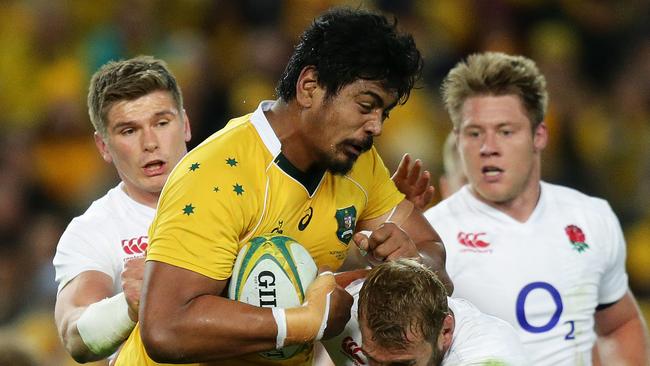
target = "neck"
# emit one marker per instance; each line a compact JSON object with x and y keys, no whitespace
{"x":145,"y":198}
{"x":522,"y":205}
{"x":286,"y":121}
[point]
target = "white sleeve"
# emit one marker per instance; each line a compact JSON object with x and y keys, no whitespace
{"x":82,"y":249}
{"x":614,"y":282}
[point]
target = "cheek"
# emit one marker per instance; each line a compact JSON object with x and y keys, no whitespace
{"x":123,"y":154}
{"x":523,"y":154}
{"x":468,"y":159}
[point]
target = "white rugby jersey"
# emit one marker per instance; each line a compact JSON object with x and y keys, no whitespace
{"x":477,"y":339}
{"x":112,"y":230}
{"x":545,"y":276}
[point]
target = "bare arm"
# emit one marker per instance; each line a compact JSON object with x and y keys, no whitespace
{"x":76,"y":300}
{"x":622,"y":334}
{"x":185,"y":318}
{"x":404,"y":232}
{"x":87,"y":288}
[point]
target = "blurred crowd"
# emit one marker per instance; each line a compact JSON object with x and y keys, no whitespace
{"x":227,"y":56}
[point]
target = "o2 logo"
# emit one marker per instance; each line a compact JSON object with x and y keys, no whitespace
{"x":555,"y":318}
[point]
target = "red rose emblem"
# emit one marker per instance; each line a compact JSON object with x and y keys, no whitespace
{"x":577,"y":238}
{"x":575,"y":234}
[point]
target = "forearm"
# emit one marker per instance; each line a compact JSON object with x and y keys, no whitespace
{"x":432,"y":254}
{"x":91,"y":327}
{"x":99,"y":329}
{"x":429,"y":245}
{"x":72,"y":340}
{"x":207,"y":328}
{"x":626,"y":345}
{"x":212,"y":327}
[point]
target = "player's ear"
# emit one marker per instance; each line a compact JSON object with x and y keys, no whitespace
{"x":102,"y":147}
{"x":186,"y":126}
{"x":540,"y":137}
{"x":306,"y":86}
{"x":446,"y":332}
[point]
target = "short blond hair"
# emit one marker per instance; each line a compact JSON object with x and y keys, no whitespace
{"x":495,"y":73}
{"x":401,"y":296}
{"x":128,"y":80}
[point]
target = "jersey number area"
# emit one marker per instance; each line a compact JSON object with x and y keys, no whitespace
{"x":555,"y":317}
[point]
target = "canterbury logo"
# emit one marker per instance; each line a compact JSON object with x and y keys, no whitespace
{"x":135,"y":245}
{"x":472,"y":240}
{"x":352,"y":350}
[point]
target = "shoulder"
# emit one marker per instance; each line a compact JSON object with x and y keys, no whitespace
{"x":235,"y":149}
{"x":572,"y":199}
{"x":467,"y":313}
{"x":100,"y":213}
{"x":481,"y":337}
{"x":239,"y":136}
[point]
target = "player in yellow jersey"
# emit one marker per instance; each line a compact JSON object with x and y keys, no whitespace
{"x":302,"y":165}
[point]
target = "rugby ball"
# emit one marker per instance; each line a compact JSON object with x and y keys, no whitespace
{"x":272,"y":271}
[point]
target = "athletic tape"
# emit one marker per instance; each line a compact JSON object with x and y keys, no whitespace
{"x":104,"y":325}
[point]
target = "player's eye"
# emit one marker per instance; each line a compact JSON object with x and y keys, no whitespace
{"x":365,"y":107}
{"x":472,"y":133}
{"x":127,"y":131}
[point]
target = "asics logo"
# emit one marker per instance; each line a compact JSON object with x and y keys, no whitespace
{"x":352,"y":350}
{"x":135,"y":245}
{"x":302,"y":225}
{"x":472,"y":240}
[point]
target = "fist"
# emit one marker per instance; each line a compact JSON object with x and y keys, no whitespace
{"x":339,"y":312}
{"x":132,"y":275}
{"x":388,"y":242}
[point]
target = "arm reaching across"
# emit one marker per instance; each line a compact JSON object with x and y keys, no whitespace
{"x":404,"y":233}
{"x":196,"y":310}
{"x":91,"y":324}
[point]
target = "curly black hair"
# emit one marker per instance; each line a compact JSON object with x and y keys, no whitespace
{"x":345,"y":45}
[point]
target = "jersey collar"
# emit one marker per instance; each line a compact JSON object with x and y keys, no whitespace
{"x":310,"y":179}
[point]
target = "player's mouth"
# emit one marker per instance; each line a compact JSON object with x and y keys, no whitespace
{"x":353,"y":150}
{"x":154,"y":168}
{"x":356,"y":148}
{"x":491,"y":173}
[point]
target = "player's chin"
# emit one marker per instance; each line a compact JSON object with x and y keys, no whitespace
{"x":154,"y":184}
{"x":342,"y":165}
{"x":495,"y":194}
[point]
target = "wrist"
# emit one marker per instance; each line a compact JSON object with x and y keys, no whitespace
{"x":104,"y":325}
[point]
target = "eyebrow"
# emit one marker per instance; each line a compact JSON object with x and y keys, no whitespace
{"x":498,"y":125}
{"x":121,"y":124}
{"x":378,"y":100}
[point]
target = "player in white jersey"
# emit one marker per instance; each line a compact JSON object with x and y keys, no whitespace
{"x":459,"y":335}
{"x":140,"y":127}
{"x":549,"y":260}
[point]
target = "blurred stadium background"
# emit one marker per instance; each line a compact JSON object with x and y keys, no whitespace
{"x":227,"y":55}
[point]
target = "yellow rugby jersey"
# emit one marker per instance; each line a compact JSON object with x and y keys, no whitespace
{"x":237,"y":185}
